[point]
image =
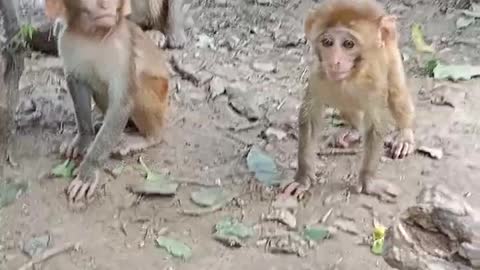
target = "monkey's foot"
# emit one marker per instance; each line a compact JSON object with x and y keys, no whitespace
{"x":77,"y":147}
{"x":346,"y":138}
{"x":81,"y":190}
{"x":176,"y":39}
{"x":402,"y":145}
{"x":295,"y":189}
{"x":132,"y":144}
{"x":382,"y":189}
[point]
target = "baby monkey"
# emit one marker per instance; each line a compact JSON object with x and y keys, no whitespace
{"x":359,"y":70}
{"x":110,"y":58}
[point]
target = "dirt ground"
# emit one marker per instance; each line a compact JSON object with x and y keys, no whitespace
{"x":258,"y":53}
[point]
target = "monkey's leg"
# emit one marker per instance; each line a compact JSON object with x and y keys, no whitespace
{"x":175,"y":32}
{"x":81,"y":96}
{"x":82,"y":188}
{"x":380,"y":188}
{"x":349,"y":136}
{"x":148,"y":115}
{"x":402,"y":109}
{"x":310,"y":122}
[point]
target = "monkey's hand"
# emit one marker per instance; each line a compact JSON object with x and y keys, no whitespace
{"x":176,"y":39}
{"x":297,"y":188}
{"x":346,"y":138}
{"x":77,"y":147}
{"x":82,"y":188}
{"x":403,"y":144}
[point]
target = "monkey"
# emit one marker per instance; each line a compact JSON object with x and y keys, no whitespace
{"x":357,"y":69}
{"x":109,"y":58}
{"x":163,"y":15}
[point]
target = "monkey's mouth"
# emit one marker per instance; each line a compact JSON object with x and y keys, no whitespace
{"x":338,"y":75}
{"x":104,"y":18}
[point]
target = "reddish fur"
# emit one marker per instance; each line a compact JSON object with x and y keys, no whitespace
{"x":151,"y":103}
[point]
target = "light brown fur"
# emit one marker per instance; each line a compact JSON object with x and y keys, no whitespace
{"x":374,"y":85}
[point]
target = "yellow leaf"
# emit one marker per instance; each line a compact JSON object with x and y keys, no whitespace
{"x":418,"y":40}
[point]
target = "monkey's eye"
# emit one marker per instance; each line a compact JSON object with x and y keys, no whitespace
{"x":348,"y":44}
{"x":326,"y":42}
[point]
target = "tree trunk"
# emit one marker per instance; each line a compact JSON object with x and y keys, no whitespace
{"x":11,"y":68}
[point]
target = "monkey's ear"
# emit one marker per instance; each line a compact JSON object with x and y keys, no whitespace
{"x":54,"y":9}
{"x":388,"y":28}
{"x":126,"y":7}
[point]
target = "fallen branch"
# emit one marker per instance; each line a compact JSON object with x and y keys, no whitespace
{"x":339,"y":151}
{"x":184,"y":74}
{"x":49,"y":254}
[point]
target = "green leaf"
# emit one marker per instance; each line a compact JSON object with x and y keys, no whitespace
{"x":377,"y":247}
{"x":316,"y":233}
{"x":379,"y":232}
{"x":419,"y":41}
{"x":207,"y":197}
{"x":263,"y":166}
{"x":155,"y":184}
{"x":174,"y":247}
{"x":231,"y":227}
{"x":10,"y":191}
{"x":456,"y":72}
{"x":430,"y":66}
{"x":64,"y":170}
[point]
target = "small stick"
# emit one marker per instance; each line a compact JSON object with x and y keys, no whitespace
{"x":184,"y":74}
{"x":339,"y":151}
{"x":49,"y":254}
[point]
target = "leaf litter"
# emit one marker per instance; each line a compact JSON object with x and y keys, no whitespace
{"x":419,"y":41}
{"x":207,"y":197}
{"x":64,"y":170}
{"x":263,"y":166}
{"x":154,"y":184}
{"x":174,"y":247}
{"x":10,"y":191}
{"x":455,"y":72}
{"x":232,"y":233}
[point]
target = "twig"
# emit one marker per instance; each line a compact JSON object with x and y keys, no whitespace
{"x":49,"y":254}
{"x":339,"y":151}
{"x":184,"y":74}
{"x":211,"y":209}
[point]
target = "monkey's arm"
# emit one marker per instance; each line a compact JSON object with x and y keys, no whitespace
{"x":80,"y":92}
{"x":399,"y":97}
{"x":81,"y":96}
{"x":401,"y":106}
{"x":310,"y":121}
{"x":119,"y":108}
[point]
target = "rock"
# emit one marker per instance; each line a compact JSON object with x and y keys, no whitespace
{"x":278,"y":133}
{"x":264,"y":2}
{"x":264,"y":67}
{"x":204,"y":41}
{"x":242,"y":102}
{"x":36,"y":245}
{"x":221,"y":2}
{"x":435,"y":153}
{"x":441,"y":231}
{"x":217,"y":87}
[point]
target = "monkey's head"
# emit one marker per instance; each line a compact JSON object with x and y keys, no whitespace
{"x":88,"y":15}
{"x":343,"y":33}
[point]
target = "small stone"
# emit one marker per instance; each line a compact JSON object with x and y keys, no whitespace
{"x":36,"y":245}
{"x":435,"y":153}
{"x":217,"y":87}
{"x":278,"y":133}
{"x":264,"y":2}
{"x":221,"y":2}
{"x":264,"y":67}
{"x":204,"y":41}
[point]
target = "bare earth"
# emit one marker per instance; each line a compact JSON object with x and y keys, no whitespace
{"x":208,"y":138}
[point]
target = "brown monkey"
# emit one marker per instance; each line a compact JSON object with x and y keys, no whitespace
{"x":359,"y":71}
{"x":110,"y":58}
{"x":163,"y":15}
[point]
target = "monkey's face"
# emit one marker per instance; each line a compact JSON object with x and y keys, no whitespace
{"x":103,"y":14}
{"x":339,"y":51}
